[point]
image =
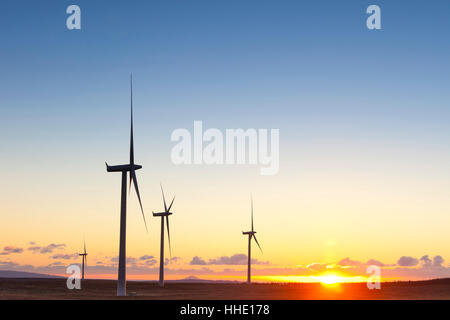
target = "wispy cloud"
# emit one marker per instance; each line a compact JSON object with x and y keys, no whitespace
{"x":173,"y":260}
{"x":9,"y":250}
{"x":316,"y":266}
{"x":149,"y":260}
{"x":46,"y":249}
{"x":348,"y":262}
{"x":197,"y":261}
{"x":34,"y":249}
{"x":407,"y":261}
{"x":236,"y":259}
{"x":406,"y":267}
{"x":146,"y":257}
{"x":373,"y":262}
{"x":51,"y":247}
{"x":438,"y":261}
{"x":65,"y":256}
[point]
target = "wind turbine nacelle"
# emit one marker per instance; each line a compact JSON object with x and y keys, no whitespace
{"x":249,"y":232}
{"x":161,"y":214}
{"x":121,"y":168}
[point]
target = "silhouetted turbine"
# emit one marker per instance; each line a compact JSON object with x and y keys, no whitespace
{"x":251,"y":234}
{"x":166,"y":214}
{"x":131,"y":168}
{"x":84,"y":260}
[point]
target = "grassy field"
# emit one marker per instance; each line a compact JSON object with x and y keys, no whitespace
{"x":106,"y":289}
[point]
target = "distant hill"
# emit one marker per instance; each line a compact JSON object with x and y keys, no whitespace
{"x":21,"y":274}
{"x":194,"y":279}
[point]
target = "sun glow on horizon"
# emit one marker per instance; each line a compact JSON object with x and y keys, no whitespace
{"x":325,"y":279}
{"x":331,"y":279}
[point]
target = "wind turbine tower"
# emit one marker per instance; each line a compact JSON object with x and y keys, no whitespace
{"x":124,"y":169}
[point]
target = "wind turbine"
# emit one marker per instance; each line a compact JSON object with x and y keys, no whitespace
{"x":166,"y":214}
{"x":84,"y":259}
{"x":251,"y":234}
{"x":131,"y":168}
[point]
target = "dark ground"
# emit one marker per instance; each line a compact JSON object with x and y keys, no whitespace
{"x":106,"y":289}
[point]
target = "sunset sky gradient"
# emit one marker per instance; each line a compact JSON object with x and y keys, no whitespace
{"x":364,"y":136}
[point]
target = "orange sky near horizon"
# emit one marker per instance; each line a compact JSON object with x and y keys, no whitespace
{"x":301,"y":217}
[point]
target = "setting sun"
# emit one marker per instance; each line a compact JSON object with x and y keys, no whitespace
{"x":331,"y":279}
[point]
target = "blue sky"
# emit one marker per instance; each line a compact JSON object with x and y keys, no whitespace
{"x":312,"y":69}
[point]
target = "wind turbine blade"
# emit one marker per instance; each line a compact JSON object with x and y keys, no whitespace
{"x":84,"y":246}
{"x":164,"y":198}
{"x":256,"y":240}
{"x":168,"y":235}
{"x":252,"y":215}
{"x":133,"y":175}
{"x":171,"y":203}
{"x":131,"y":183}
{"x":131,"y":131}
